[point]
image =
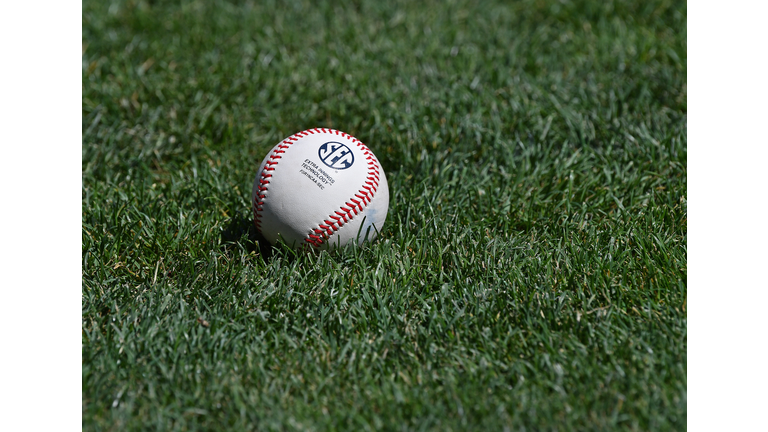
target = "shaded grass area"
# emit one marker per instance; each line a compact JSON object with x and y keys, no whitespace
{"x":532,"y":271}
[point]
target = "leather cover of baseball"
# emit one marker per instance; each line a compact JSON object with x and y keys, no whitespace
{"x":320,"y":188}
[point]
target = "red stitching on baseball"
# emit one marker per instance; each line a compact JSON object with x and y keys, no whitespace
{"x":348,"y":211}
{"x":258,"y":206}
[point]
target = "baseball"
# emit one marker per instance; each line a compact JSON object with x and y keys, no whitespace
{"x":320,"y":188}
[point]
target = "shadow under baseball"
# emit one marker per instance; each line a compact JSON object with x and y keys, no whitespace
{"x":241,"y":232}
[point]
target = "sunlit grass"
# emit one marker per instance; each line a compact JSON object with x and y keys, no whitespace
{"x":532,"y":270}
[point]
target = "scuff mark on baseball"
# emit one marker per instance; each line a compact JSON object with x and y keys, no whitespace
{"x":320,"y":188}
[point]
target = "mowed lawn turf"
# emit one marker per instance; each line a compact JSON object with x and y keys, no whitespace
{"x":532,"y":272}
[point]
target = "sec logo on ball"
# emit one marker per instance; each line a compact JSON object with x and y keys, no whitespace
{"x":336,"y":155}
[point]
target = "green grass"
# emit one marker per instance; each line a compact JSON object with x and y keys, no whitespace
{"x":532,"y":273}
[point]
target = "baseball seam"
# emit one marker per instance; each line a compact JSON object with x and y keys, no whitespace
{"x":352,"y":206}
{"x":266,"y":176}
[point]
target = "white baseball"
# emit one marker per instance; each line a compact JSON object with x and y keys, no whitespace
{"x":320,"y":188}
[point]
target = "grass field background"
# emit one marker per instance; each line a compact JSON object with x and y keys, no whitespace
{"x":532,"y":271}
